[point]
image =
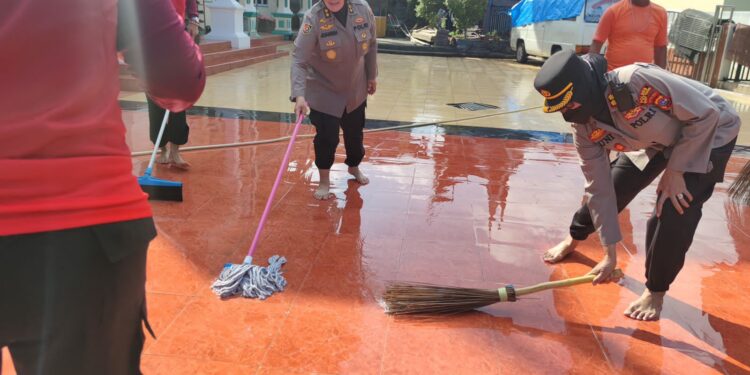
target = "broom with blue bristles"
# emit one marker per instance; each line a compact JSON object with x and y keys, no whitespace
{"x":249,"y":280}
{"x":158,"y":189}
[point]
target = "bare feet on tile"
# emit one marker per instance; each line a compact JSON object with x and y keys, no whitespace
{"x":163,"y":157}
{"x":176,"y":159}
{"x":323,"y":191}
{"x":647,"y":307}
{"x":560,"y":251}
{"x":358,"y":175}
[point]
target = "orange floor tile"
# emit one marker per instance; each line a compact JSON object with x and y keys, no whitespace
{"x":461,"y":210}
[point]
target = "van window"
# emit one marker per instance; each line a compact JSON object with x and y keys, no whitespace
{"x":595,"y":8}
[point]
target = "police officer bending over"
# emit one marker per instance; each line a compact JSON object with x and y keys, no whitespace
{"x":334,"y":68}
{"x":687,"y":131}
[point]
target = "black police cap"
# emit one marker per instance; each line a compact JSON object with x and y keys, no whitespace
{"x":560,"y":77}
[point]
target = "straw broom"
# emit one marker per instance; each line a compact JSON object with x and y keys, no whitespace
{"x":428,"y":299}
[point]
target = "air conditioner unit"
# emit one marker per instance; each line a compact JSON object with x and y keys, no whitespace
{"x":690,"y":32}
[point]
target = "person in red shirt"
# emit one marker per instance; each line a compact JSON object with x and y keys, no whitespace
{"x":636,"y":31}
{"x":177,"y":130}
{"x":74,"y":224}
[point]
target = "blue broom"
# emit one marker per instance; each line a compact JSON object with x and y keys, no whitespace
{"x":158,"y":189}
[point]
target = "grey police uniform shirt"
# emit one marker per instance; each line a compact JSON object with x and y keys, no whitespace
{"x":331,"y":62}
{"x":681,"y":117}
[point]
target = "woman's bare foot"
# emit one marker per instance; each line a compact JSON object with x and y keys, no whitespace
{"x":176,"y":159}
{"x":323,"y":191}
{"x":163,"y":157}
{"x":647,"y":307}
{"x":358,"y":175}
{"x":560,"y":251}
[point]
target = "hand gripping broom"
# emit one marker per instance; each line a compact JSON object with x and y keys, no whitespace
{"x":158,"y":189}
{"x":427,"y":299}
{"x":249,"y":280}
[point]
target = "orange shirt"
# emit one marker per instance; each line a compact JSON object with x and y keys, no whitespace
{"x":633,"y":32}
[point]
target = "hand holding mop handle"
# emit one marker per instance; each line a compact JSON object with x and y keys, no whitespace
{"x":509,"y":293}
{"x":158,"y":142}
{"x":282,"y":168}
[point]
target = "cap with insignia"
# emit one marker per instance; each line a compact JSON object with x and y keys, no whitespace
{"x":562,"y":80}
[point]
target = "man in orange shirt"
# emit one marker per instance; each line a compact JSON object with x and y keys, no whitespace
{"x":637,"y":32}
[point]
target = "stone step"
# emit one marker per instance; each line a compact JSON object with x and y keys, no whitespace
{"x":223,"y":57}
{"x":242,"y":63}
{"x":211,"y":46}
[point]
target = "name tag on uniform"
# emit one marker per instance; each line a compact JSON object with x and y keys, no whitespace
{"x":329,"y":33}
{"x":362,"y":26}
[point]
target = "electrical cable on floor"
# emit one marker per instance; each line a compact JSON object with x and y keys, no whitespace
{"x":303,"y":136}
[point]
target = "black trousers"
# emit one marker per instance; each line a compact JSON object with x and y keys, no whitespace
{"x":327,"y":136}
{"x":176,"y":131}
{"x":73,"y":300}
{"x":667,"y":238}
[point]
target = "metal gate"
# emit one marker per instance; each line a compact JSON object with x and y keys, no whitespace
{"x":697,"y":42}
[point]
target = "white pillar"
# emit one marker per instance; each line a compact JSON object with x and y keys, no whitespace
{"x":283,"y":16}
{"x":304,"y":5}
{"x":251,"y":19}
{"x":226,"y":23}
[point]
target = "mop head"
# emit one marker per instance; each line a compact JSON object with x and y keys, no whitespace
{"x":249,"y":280}
{"x":161,"y":190}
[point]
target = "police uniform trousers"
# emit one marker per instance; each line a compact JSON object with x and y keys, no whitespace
{"x":176,"y":131}
{"x":72,"y":301}
{"x":669,"y":237}
{"x":327,"y":136}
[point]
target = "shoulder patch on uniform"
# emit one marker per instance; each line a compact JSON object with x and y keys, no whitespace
{"x":633,"y":113}
{"x":597,"y":135}
{"x":306,"y":28}
{"x":663,"y":102}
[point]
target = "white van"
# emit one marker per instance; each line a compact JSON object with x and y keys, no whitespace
{"x":539,"y":36}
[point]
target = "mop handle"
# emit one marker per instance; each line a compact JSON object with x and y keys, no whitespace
{"x":283,"y":166}
{"x":158,"y":142}
{"x":616,"y":274}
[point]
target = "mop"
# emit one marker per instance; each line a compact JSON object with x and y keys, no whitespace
{"x":247,"y":279}
{"x":427,"y":299}
{"x":158,"y":189}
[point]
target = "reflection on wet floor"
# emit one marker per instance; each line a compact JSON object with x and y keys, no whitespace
{"x":468,"y":206}
{"x":445,"y":208}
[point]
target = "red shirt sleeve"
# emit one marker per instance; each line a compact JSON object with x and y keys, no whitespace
{"x":605,"y":26}
{"x":161,"y":53}
{"x":661,"y":36}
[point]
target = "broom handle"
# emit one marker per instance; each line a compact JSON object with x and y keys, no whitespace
{"x":563,"y":283}
{"x":158,"y":142}
{"x":284,"y":163}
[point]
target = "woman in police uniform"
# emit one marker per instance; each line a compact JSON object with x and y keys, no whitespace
{"x":334,"y":69}
{"x":687,"y":131}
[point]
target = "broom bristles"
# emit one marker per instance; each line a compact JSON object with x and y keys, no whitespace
{"x":739,"y":190}
{"x":419,"y":298}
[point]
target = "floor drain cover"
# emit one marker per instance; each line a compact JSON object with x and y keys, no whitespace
{"x":472,"y":106}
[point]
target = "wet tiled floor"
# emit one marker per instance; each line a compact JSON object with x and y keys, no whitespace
{"x":458,"y":206}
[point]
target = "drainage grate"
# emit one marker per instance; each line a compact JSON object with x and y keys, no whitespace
{"x":472,"y":106}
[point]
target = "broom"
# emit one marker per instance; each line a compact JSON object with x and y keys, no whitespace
{"x":158,"y":189}
{"x":249,"y":280}
{"x":428,"y":299}
{"x":739,"y":190}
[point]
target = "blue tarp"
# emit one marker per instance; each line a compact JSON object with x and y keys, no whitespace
{"x":532,"y":11}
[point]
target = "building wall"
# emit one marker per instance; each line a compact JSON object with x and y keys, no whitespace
{"x":704,"y":5}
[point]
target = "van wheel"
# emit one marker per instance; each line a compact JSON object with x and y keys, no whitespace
{"x":521,"y":55}
{"x":555,"y":49}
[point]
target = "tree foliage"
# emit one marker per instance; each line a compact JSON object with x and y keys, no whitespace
{"x":428,"y":10}
{"x":467,"y":13}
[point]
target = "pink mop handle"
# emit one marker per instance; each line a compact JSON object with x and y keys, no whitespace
{"x":283,"y":167}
